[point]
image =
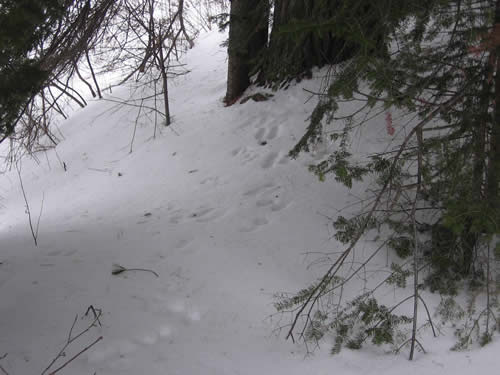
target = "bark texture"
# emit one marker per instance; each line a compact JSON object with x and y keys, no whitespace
{"x":292,"y":54}
{"x":248,"y":33}
{"x":304,"y":35}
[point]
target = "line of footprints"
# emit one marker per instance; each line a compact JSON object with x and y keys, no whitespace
{"x":267,"y":196}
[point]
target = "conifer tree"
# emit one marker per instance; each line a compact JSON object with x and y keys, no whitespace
{"x":40,"y":42}
{"x":297,"y":45}
{"x":24,"y":25}
{"x":438,"y":88}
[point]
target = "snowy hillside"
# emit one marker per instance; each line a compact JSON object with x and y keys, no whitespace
{"x":214,"y":206}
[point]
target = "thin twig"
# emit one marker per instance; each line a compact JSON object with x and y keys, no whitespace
{"x":70,"y":340}
{"x":143,"y":269}
{"x":76,"y":355}
{"x":1,"y":368}
{"x":428,"y":315}
{"x":135,"y":125}
{"x":72,"y":327}
{"x":39,"y":215}
{"x":34,"y":233}
{"x":118,"y":269}
{"x":94,"y":311}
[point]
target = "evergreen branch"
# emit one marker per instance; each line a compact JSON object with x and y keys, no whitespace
{"x":335,"y":267}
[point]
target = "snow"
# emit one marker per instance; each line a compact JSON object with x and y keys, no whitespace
{"x":225,"y":220}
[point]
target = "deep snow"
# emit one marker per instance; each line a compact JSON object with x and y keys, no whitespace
{"x":224,"y":219}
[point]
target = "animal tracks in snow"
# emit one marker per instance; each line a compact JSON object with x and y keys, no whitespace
{"x":268,"y":195}
{"x":260,"y":134}
{"x":202,"y":214}
{"x":245,"y":154}
{"x":269,"y":160}
{"x":263,"y":135}
{"x":254,"y":224}
{"x":267,"y":134}
{"x":259,"y":189}
{"x":214,"y":181}
{"x":269,"y":198}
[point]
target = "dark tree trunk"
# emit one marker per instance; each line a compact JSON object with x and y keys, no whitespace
{"x":303,"y":35}
{"x":494,"y":164}
{"x":247,"y":38}
{"x":292,"y":54}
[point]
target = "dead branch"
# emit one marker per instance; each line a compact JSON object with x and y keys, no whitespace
{"x":34,"y":230}
{"x":72,"y":339}
{"x":93,"y":74}
{"x":1,"y":368}
{"x":76,"y":355}
{"x":77,"y":71}
{"x":135,"y":126}
{"x":117,"y":269}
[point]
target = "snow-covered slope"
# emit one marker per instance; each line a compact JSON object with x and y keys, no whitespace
{"x":213,"y":205}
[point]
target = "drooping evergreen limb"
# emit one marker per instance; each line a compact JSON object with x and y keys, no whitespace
{"x":424,"y":72}
{"x":56,"y":40}
{"x":315,"y":294}
{"x":356,"y":271}
{"x":392,"y":309}
{"x":340,"y":285}
{"x":465,"y":338}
